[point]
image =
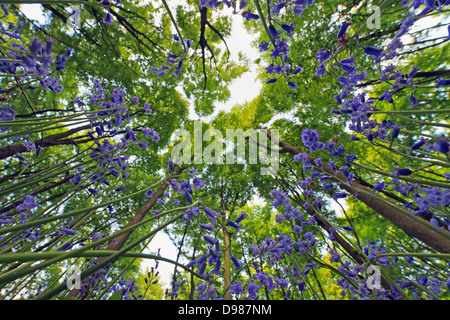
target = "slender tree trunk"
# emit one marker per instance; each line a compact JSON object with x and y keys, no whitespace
{"x":51,"y":140}
{"x":226,"y":257}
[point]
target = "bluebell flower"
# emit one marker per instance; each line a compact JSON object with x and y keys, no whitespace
{"x":231,"y":223}
{"x":68,"y":231}
{"x":373,"y":51}
{"x":241,"y":217}
{"x":248,"y":15}
{"x":210,"y":240}
{"x":387,"y":95}
{"x":289,"y":28}
{"x":263,"y":46}
{"x":443,"y":145}
{"x":274,"y":32}
{"x":442,"y":82}
{"x":339,"y":195}
{"x":293,"y":85}
{"x":108,"y":19}
{"x":402,"y":171}
{"x":320,"y":71}
{"x":419,"y":144}
{"x":322,"y":55}
{"x":29,"y":145}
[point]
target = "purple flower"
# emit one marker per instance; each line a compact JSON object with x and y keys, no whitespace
{"x":28,"y":203}
{"x":5,"y":9}
{"x":298,"y":9}
{"x":147,"y":108}
{"x":237,"y":264}
{"x":236,"y":288}
{"x":293,"y":85}
{"x":386,"y":96}
{"x":148,"y":193}
{"x":343,"y":29}
{"x":339,"y":195}
{"x":418,"y":144}
{"x":241,"y":217}
{"x":322,"y":55}
{"x":198,"y":184}
{"x":170,"y":164}
{"x":150,"y":133}
{"x":301,"y":156}
{"x":248,"y":15}
{"x":66,"y":246}
{"x":310,"y":138}
{"x":320,"y":71}
{"x":280,"y":198}
{"x":273,"y":32}
{"x":289,"y":28}
{"x":443,"y":145}
{"x":373,"y":51}
{"x":231,"y":223}
{"x":29,"y":145}
{"x":263,"y":46}
{"x":212,"y":214}
{"x":68,"y":231}
{"x":402,"y":171}
{"x":210,"y":240}
{"x":208,"y":227}
{"x":108,"y":19}
{"x":253,"y":291}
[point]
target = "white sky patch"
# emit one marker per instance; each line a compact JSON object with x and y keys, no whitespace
{"x":33,"y":12}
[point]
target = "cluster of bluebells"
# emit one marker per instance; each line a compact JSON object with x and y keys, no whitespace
{"x":356,"y":105}
{"x":212,"y":258}
{"x":112,"y":162}
{"x":99,"y":281}
{"x":33,"y":61}
{"x":24,"y":211}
